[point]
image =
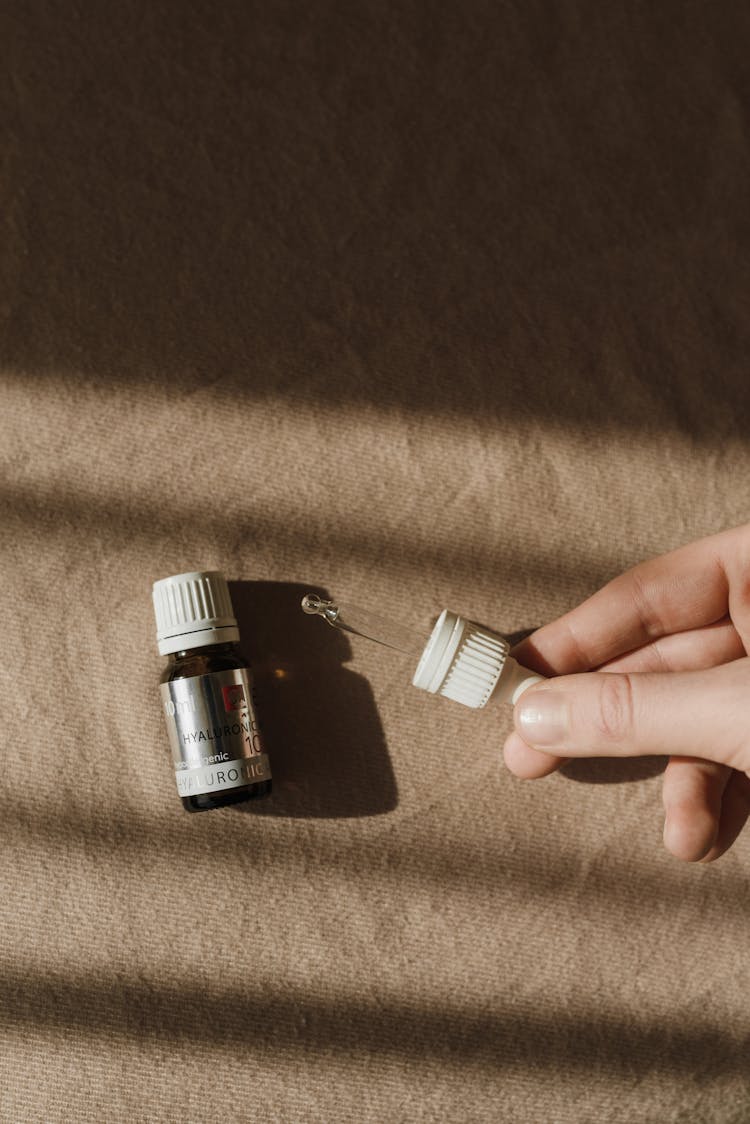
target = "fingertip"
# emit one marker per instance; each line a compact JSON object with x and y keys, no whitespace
{"x":692,"y":798}
{"x":527,"y":763}
{"x":690,"y":834}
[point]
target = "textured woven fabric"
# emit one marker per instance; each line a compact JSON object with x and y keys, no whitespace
{"x":424,"y":306}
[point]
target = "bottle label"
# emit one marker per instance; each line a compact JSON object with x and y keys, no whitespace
{"x":213,"y":731}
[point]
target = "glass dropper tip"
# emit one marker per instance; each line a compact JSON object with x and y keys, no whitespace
{"x":315,"y":606}
{"x":311,"y":604}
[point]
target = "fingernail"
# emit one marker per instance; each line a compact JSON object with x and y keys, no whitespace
{"x":542,"y":719}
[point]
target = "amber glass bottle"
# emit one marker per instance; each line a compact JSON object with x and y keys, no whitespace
{"x":207,"y":695}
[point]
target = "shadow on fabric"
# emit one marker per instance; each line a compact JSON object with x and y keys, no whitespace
{"x":613,"y":770}
{"x":321,"y":728}
{"x":219,"y":200}
{"x":302,"y":1025}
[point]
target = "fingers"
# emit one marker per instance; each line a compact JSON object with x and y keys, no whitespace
{"x":683,"y":613}
{"x":685,"y":589}
{"x":702,"y":714}
{"x":692,"y":796}
{"x":684,"y":651}
{"x":706,"y":806}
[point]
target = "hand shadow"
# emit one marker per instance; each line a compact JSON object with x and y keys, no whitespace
{"x":612,"y":770}
{"x":601,"y":770}
{"x":318,"y":719}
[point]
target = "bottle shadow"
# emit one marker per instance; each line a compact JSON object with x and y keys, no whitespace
{"x":601,"y":770}
{"x":318,"y":719}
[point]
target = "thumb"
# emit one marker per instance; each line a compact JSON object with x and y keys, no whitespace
{"x":608,"y":714}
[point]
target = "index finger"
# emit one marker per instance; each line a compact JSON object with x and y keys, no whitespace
{"x":684,"y":589}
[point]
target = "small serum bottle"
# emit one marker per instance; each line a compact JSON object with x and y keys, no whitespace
{"x":207,"y":695}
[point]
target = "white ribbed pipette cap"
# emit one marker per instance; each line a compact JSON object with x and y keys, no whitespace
{"x":466,"y":663}
{"x":192,"y":610}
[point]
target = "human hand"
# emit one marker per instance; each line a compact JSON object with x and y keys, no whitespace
{"x":669,"y":642}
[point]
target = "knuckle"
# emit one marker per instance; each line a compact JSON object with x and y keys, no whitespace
{"x":643,"y":596}
{"x":616,"y":708}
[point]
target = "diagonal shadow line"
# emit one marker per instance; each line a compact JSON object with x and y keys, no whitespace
{"x":543,"y":872}
{"x":658,"y":417}
{"x":707,"y":437}
{"x":117,"y":523}
{"x":306,"y":1023}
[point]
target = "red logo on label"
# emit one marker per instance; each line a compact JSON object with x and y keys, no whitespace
{"x":234,"y":697}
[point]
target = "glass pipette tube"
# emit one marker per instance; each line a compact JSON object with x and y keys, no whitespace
{"x":362,"y":622}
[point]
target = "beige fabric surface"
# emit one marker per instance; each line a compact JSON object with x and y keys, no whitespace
{"x":423,"y":305}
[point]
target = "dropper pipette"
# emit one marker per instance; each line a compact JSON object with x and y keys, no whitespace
{"x":460,"y":660}
{"x":361,"y":622}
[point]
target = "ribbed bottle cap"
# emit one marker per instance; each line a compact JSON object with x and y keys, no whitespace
{"x":192,"y":610}
{"x":461,"y":660}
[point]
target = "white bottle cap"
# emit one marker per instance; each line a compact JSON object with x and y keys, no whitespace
{"x":466,"y":662}
{"x":192,"y":610}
